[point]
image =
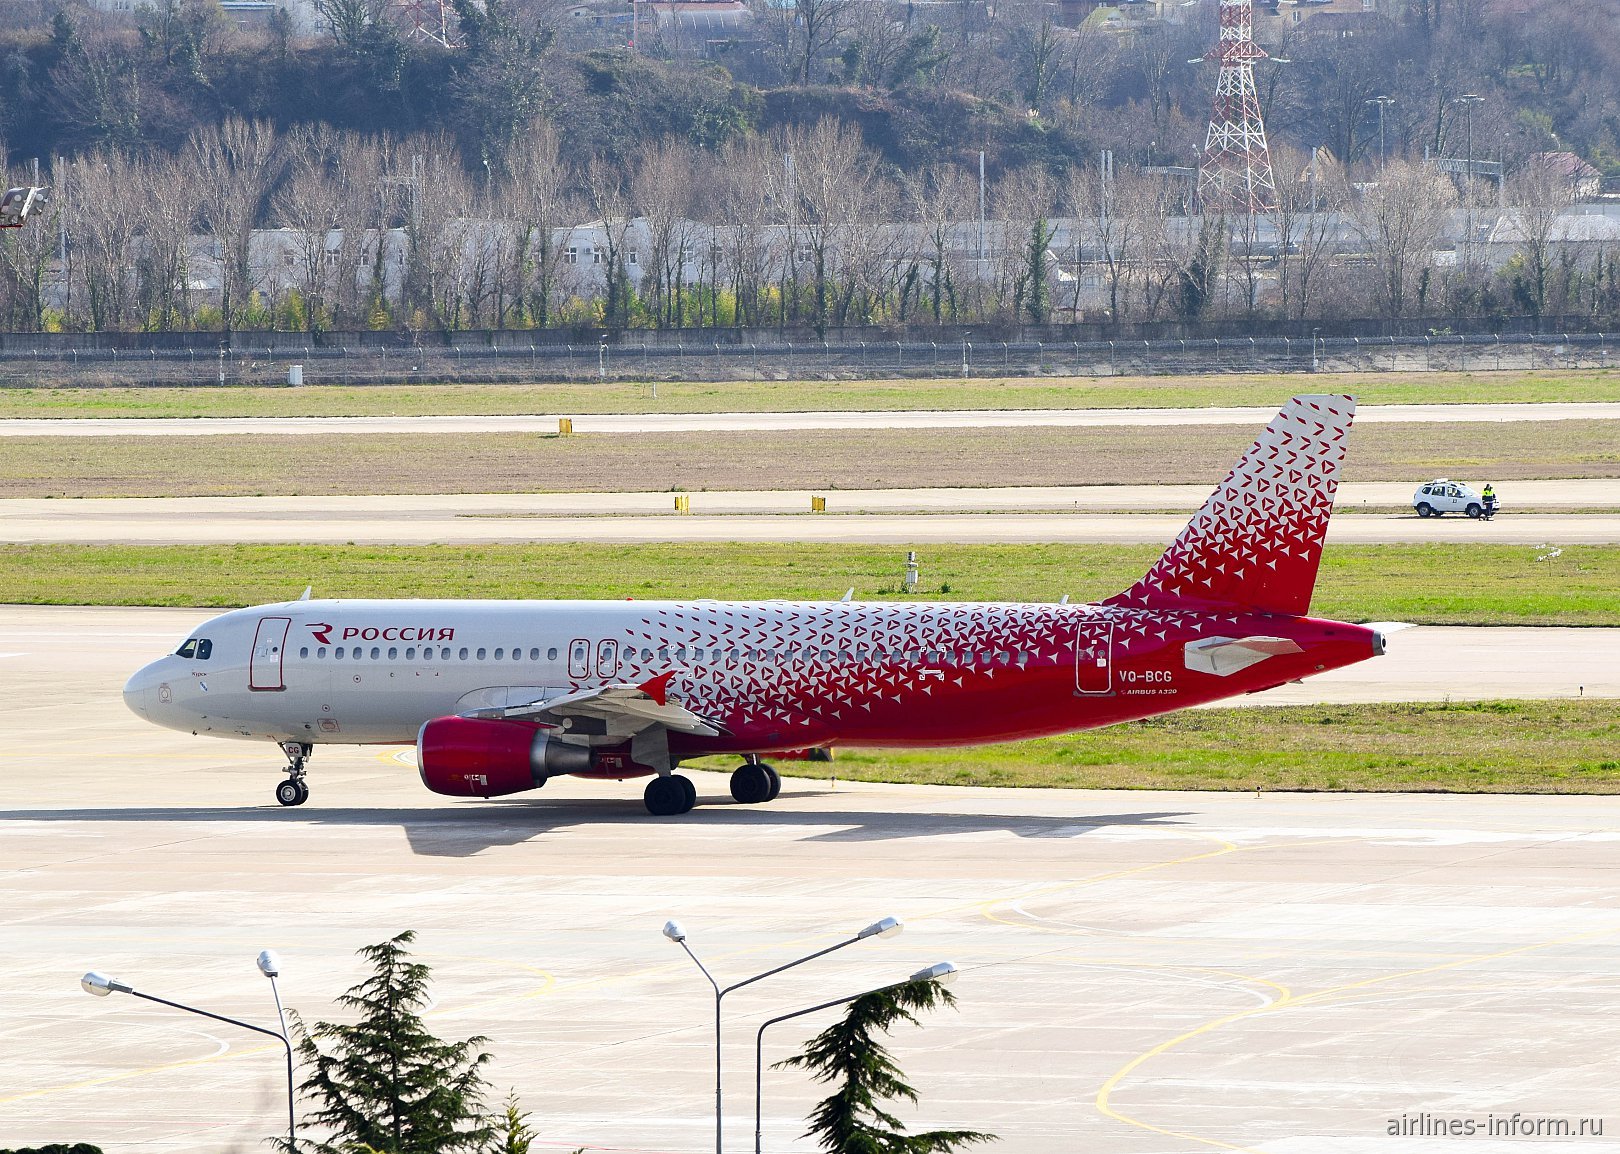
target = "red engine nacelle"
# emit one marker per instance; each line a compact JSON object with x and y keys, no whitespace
{"x":475,"y":757}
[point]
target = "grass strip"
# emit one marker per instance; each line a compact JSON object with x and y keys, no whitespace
{"x":344,"y":464}
{"x":1563,"y":746}
{"x":1426,"y":584}
{"x":797,"y":396}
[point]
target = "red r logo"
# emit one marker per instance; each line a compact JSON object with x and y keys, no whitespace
{"x":323,"y":633}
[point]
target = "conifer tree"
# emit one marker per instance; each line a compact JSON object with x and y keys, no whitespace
{"x":849,"y":1056}
{"x":386,"y":1082}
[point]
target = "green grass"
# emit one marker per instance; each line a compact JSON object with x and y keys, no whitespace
{"x":1564,"y":746}
{"x":1427,"y":584}
{"x":787,"y":396}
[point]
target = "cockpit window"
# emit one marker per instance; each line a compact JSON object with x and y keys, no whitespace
{"x":197,"y":648}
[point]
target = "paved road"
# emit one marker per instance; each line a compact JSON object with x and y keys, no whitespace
{"x":761,"y":422}
{"x":1124,"y":513}
{"x":1143,"y":973}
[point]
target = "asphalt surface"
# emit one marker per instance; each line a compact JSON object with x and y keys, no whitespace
{"x":1141,"y":972}
{"x":892,"y":516}
{"x":763,"y":422}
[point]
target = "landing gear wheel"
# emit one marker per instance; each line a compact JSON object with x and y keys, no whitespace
{"x":670,"y":796}
{"x":292,"y":792}
{"x":755,"y":782}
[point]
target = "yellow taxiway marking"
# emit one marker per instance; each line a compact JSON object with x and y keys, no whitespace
{"x":1291,"y":1001}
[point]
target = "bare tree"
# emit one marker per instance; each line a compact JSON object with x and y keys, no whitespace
{"x":804,"y":31}
{"x":324,"y":204}
{"x":238,"y":163}
{"x":165,"y":261}
{"x":749,"y":202}
{"x":610,"y":202}
{"x":540,"y":206}
{"x":1025,"y":200}
{"x":1399,"y":220}
{"x":942,"y":199}
{"x":834,"y":175}
{"x":1539,"y":194}
{"x":1106,"y":202}
{"x":662,"y":190}
{"x":1310,"y":197}
{"x":104,"y":231}
{"x":439,"y":234}
{"x":25,"y":258}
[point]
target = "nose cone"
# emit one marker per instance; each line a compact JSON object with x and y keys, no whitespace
{"x":142,"y":690}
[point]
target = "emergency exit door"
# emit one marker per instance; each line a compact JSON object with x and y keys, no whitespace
{"x":1094,"y":657}
{"x":269,"y":646}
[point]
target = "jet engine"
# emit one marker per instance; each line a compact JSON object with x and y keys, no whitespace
{"x":477,"y":757}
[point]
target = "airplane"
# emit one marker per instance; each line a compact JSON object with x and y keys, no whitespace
{"x":500,"y":696}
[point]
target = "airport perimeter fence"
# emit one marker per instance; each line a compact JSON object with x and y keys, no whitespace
{"x":244,"y":364}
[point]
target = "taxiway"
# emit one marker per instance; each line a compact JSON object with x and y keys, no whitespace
{"x":1142,"y":972}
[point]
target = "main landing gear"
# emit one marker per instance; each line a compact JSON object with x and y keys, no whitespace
{"x":294,"y":791}
{"x":670,"y":795}
{"x":754,"y":782}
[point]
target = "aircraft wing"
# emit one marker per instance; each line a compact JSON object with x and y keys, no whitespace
{"x":622,"y":709}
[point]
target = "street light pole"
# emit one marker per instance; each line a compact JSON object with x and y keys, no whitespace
{"x":1468,"y":100}
{"x":101,"y":985}
{"x":1381,"y":101}
{"x":941,"y":972}
{"x":270,"y":967}
{"x":887,"y":927}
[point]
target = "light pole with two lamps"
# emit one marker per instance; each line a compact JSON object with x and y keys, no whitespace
{"x":942,"y":972}
{"x":885,"y":928}
{"x":101,"y":985}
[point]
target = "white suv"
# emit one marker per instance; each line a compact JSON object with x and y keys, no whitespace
{"x":1443,"y":496}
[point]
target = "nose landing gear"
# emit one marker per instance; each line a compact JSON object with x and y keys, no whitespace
{"x":294,"y":791}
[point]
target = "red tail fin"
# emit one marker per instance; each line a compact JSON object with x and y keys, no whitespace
{"x":1257,"y":541}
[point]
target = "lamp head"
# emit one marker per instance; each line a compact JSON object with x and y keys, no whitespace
{"x":269,"y":964}
{"x":674,"y":932}
{"x":886,"y":928}
{"x":942,"y":972}
{"x":99,"y":984}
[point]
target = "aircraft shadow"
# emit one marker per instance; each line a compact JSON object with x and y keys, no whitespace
{"x":465,"y":830}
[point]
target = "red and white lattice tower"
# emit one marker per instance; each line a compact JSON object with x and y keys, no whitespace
{"x":1235,"y":172}
{"x":427,"y":20}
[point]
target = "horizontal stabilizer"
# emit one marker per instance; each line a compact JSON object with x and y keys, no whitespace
{"x":1224,"y":656}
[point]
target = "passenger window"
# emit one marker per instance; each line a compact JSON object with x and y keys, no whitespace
{"x":393,"y":652}
{"x":304,"y":652}
{"x":410,"y":654}
{"x":463,"y":653}
{"x":579,"y":657}
{"x":607,"y":658}
{"x":375,"y":652}
{"x":338,"y":653}
{"x":480,"y":654}
{"x":500,"y":654}
{"x":320,"y":653}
